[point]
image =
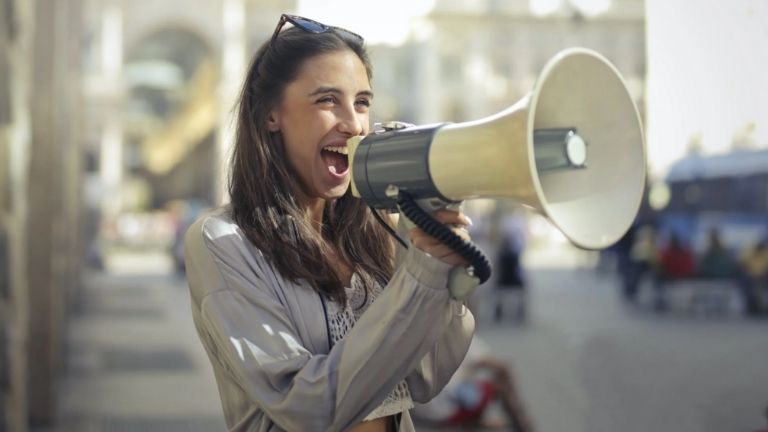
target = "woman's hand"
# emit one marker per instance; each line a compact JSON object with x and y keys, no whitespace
{"x":433,"y":247}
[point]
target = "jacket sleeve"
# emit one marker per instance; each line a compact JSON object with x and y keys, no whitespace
{"x":437,"y":367}
{"x":249,"y":331}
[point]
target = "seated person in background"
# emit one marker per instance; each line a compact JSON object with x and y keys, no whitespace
{"x":464,"y":403}
{"x":717,"y":261}
{"x":754,"y":274}
{"x":675,"y":262}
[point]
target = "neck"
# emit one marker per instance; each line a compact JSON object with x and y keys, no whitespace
{"x":314,"y":211}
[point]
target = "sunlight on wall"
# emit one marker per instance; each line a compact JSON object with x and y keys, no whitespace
{"x":380,"y":23}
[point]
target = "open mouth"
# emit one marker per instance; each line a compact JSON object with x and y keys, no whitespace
{"x":336,"y":159}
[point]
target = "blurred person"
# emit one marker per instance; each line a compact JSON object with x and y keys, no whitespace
{"x":676,"y":261}
{"x":483,"y":236}
{"x":754,"y":275}
{"x":176,"y":210}
{"x":309,"y":322}
{"x":511,"y":283}
{"x":616,"y":257}
{"x":717,"y":261}
{"x":642,"y":260}
{"x":183,"y":214}
{"x":464,"y":404}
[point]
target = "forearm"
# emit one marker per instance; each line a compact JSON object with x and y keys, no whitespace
{"x":395,"y":334}
{"x":438,"y":366}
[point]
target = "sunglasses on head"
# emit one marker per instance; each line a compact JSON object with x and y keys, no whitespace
{"x":311,"y":26}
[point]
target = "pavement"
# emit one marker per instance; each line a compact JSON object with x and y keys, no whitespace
{"x":583,"y":360}
{"x":134,"y":361}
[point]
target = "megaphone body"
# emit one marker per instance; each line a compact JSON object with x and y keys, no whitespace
{"x":572,"y":149}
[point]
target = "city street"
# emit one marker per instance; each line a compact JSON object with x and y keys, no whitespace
{"x":586,"y":362}
{"x":583,"y":361}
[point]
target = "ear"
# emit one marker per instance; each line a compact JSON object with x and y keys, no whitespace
{"x":273,"y":122}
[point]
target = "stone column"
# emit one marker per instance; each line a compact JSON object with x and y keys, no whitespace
{"x":111,"y":163}
{"x":233,"y":64}
{"x":15,"y":63}
{"x":53,"y":199}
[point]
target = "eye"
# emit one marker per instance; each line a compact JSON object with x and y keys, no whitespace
{"x":366,"y":103}
{"x":329,"y":99}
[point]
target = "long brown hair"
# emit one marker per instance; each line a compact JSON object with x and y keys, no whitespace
{"x":262,"y":182}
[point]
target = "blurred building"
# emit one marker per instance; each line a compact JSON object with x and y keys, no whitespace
{"x":469,"y":59}
{"x":160,"y":84}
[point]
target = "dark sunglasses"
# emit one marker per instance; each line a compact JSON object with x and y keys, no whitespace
{"x":311,"y":26}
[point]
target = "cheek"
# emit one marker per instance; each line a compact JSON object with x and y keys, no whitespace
{"x":302,"y":134}
{"x":365,"y":121}
{"x":301,"y":146}
{"x":297,"y":148}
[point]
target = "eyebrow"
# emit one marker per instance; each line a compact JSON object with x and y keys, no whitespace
{"x":335,"y":90}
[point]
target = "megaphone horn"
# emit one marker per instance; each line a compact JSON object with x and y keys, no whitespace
{"x":572,"y":149}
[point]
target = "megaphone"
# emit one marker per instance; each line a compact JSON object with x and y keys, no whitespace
{"x":572,"y":149}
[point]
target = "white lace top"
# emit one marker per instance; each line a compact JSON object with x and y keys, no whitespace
{"x":340,"y":320}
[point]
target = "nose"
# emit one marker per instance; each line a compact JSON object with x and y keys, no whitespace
{"x":351,"y":122}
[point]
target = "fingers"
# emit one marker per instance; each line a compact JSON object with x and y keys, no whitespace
{"x":435,"y":248}
{"x":462,"y":232}
{"x":423,"y":241}
{"x":452,"y":217}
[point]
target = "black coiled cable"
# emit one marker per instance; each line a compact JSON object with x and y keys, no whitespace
{"x":468,"y":250}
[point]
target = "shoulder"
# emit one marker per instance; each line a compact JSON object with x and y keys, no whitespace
{"x":218,"y":253}
{"x":210,"y":226}
{"x":217,"y":233}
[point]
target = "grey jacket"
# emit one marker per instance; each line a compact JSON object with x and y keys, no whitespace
{"x":267,"y":338}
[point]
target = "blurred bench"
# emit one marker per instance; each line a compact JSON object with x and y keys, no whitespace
{"x":698,"y":294}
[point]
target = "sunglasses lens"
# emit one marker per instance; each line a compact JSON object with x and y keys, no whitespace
{"x":349,"y":33}
{"x":311,"y":26}
{"x":308,"y":25}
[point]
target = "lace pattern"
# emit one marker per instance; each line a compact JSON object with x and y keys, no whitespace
{"x":340,"y":321}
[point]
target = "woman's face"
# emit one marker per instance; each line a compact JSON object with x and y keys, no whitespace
{"x":324,"y":106}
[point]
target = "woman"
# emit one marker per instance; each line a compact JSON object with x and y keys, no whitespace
{"x":307,"y":319}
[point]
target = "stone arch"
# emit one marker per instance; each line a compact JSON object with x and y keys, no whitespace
{"x":171,"y":79}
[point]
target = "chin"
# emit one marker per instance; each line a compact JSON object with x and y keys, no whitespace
{"x":337,"y":192}
{"x":334,"y":195}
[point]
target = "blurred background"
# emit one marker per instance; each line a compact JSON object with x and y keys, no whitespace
{"x":115,"y":129}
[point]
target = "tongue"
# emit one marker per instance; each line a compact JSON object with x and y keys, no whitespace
{"x":336,"y":163}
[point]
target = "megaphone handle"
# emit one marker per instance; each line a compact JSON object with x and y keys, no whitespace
{"x":461,"y":283}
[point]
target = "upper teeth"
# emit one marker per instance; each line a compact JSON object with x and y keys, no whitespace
{"x":338,"y":149}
